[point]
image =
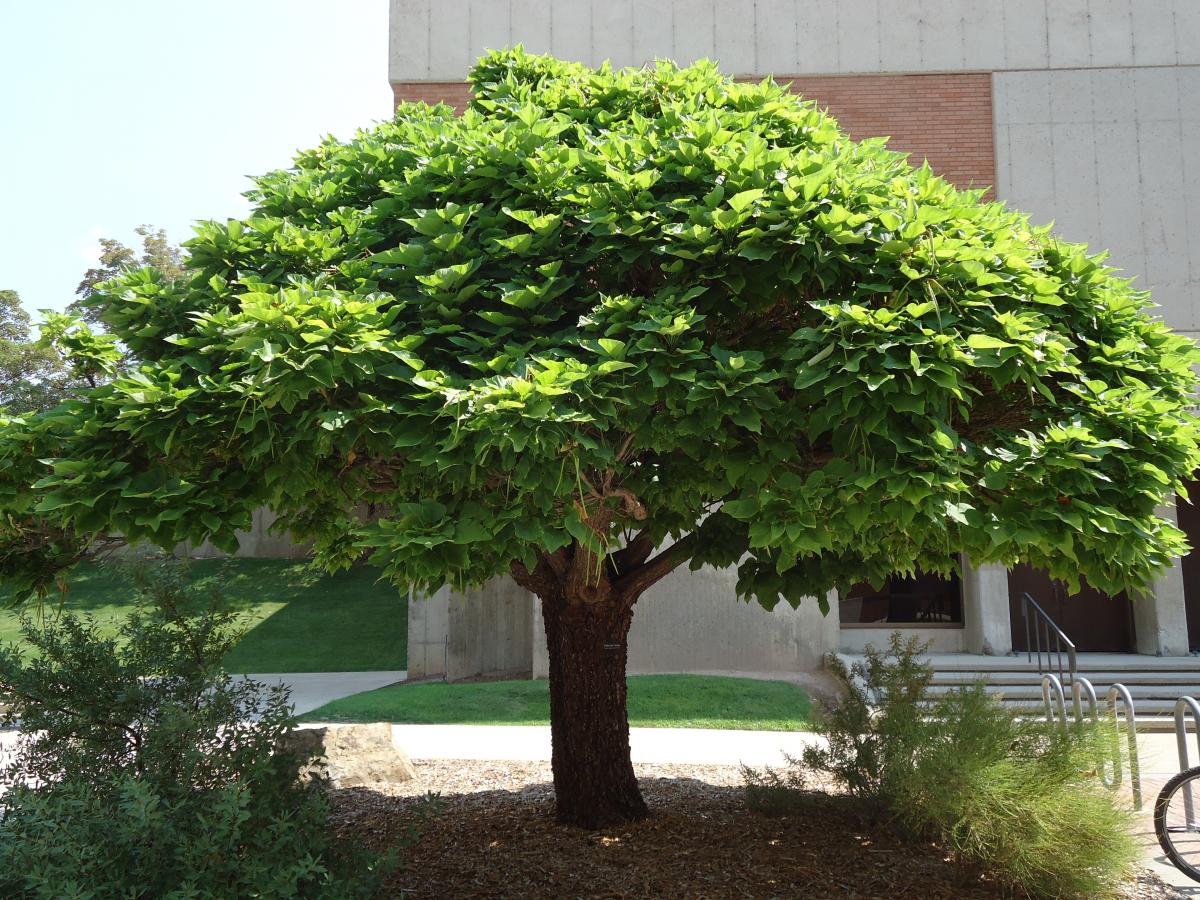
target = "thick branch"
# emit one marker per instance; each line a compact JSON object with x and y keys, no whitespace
{"x":632,"y":554}
{"x":586,"y":578}
{"x":633,"y":584}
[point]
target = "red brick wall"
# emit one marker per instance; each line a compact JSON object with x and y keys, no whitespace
{"x":946,"y":119}
{"x":456,"y":93}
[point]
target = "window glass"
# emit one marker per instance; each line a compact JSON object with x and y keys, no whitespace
{"x":921,"y":599}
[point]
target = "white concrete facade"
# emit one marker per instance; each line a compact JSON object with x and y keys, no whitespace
{"x":1096,"y":114}
{"x":438,"y":40}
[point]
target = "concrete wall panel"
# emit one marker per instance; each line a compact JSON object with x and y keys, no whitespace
{"x":982,"y":35}
{"x":804,"y":36}
{"x":530,"y":25}
{"x":818,"y":48}
{"x":692,"y":24}
{"x":1153,"y":35}
{"x":900,"y":50}
{"x":571,"y":30}
{"x":776,"y":48}
{"x":1025,"y":41}
{"x":1113,"y":167}
{"x":450,"y":38}
{"x":1111,"y":28}
{"x":862,"y":53}
{"x":1022,"y":98}
{"x":653,"y":35}
{"x":1186,"y":21}
{"x":941,"y":29}
{"x":1068,"y":35}
{"x":409,"y":39}
{"x":733,"y":38}
{"x":483,"y":632}
{"x":941,"y":640}
{"x":615,"y":18}
{"x":258,"y":542}
{"x":488,"y":27}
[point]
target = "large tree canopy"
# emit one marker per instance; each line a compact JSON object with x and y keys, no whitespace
{"x":695,"y":304}
{"x":603,"y":311}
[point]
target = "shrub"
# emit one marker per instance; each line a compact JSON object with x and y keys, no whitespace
{"x":145,"y":770}
{"x":1017,"y":796}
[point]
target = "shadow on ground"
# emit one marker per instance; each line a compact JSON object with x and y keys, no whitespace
{"x":700,"y":841}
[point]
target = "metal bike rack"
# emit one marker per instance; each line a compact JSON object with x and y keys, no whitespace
{"x":1055,"y":700}
{"x":1081,"y":686}
{"x":1119,"y":691}
{"x":1183,"y":706}
{"x":1051,"y":685}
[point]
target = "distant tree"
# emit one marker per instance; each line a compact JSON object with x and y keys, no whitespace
{"x":33,"y":375}
{"x":116,"y":259}
{"x":604,"y":325}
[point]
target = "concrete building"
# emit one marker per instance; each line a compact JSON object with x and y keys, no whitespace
{"x":1085,"y":112}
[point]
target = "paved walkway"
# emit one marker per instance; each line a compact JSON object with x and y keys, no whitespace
{"x":647,"y":745}
{"x":313,"y":689}
{"x":1159,"y":761}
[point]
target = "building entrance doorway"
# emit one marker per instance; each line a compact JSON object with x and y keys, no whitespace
{"x":1093,"y":620}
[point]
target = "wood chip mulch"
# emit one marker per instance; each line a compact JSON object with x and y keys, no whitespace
{"x":491,"y":833}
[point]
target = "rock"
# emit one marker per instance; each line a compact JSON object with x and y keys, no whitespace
{"x":351,"y":755}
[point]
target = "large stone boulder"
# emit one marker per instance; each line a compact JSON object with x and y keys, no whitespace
{"x":351,"y":755}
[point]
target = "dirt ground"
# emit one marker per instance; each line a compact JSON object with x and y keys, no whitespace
{"x":491,"y":833}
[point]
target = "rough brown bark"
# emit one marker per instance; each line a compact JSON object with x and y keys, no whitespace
{"x":587,"y":606}
{"x":594,"y":784}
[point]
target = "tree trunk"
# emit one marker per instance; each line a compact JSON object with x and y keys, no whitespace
{"x":594,"y":784}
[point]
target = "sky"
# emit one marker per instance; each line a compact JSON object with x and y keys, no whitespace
{"x":129,"y":112}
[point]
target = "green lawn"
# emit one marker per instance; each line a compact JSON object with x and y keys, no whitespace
{"x":655,"y":701}
{"x":296,"y":620}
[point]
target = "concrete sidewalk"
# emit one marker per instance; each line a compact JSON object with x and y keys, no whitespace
{"x":313,"y":689}
{"x":1159,"y":761}
{"x":647,"y":745}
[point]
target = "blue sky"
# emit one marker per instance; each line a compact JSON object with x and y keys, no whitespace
{"x":137,"y":112}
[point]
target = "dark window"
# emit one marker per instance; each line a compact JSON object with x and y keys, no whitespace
{"x":921,"y":599}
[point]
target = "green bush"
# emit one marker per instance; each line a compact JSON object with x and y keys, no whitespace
{"x":1017,"y":796}
{"x":147,"y":771}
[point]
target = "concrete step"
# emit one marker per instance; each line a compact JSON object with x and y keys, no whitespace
{"x":1154,"y":677}
{"x":1034,"y":690}
{"x":1086,"y":662}
{"x":1155,"y":683}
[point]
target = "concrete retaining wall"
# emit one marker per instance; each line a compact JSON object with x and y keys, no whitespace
{"x":693,"y":621}
{"x":483,"y":632}
{"x":257,"y":543}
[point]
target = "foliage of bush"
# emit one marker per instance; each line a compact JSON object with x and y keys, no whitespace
{"x":145,"y":770}
{"x":1018,"y":796}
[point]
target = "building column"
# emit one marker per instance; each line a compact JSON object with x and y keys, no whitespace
{"x":1160,"y":616}
{"x":986,"y":620}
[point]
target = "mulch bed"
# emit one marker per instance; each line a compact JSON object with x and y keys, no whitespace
{"x":492,"y":834}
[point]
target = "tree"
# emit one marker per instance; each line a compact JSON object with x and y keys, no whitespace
{"x":610,"y":323}
{"x":32,"y":376}
{"x":117,"y":259}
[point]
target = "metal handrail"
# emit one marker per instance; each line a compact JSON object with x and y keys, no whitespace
{"x":1183,"y":706}
{"x":1044,"y":624}
{"x":1050,"y":681}
{"x":1119,"y":691}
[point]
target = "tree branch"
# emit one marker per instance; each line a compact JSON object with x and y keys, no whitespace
{"x":632,"y":554}
{"x":635,"y":582}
